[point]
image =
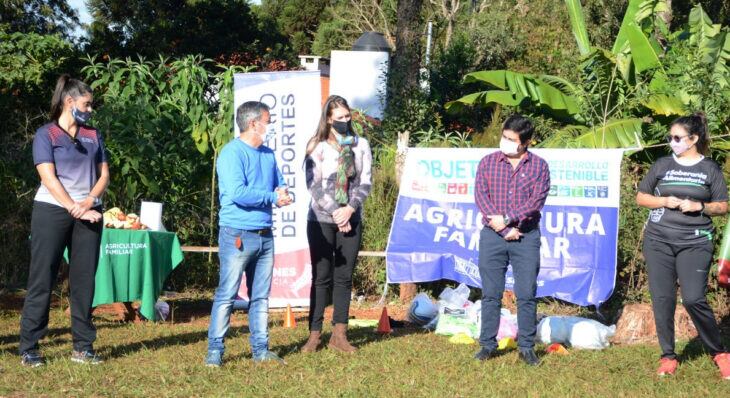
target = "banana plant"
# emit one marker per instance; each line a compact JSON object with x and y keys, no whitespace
{"x":619,"y":88}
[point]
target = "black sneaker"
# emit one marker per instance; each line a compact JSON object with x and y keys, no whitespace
{"x":32,"y":358}
{"x":88,"y":357}
{"x":529,"y":357}
{"x":484,"y":354}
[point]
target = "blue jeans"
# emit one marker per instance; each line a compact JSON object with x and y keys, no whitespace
{"x":255,"y":257}
{"x":495,"y":254}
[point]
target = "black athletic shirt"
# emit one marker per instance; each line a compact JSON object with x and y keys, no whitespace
{"x":702,"y":182}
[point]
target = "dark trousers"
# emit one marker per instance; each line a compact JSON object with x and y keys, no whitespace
{"x":333,"y":255}
{"x":495,"y":254}
{"x":53,"y":229}
{"x":666,"y":264}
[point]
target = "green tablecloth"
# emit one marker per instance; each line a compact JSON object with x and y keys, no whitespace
{"x":133,"y":265}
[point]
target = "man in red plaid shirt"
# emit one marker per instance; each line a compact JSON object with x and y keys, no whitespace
{"x":510,"y":190}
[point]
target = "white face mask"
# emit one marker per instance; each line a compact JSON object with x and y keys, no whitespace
{"x":509,"y":148}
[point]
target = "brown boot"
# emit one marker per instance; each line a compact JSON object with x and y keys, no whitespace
{"x":312,"y":343}
{"x":338,"y":341}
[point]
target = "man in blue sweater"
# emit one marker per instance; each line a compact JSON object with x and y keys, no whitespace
{"x":250,"y":183}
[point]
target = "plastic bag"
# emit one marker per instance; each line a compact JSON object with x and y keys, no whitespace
{"x":578,"y":332}
{"x":449,"y":325}
{"x":422,"y":310}
{"x":455,"y":298}
{"x":507,"y":325}
{"x":162,"y":310}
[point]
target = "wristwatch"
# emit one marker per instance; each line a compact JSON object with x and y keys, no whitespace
{"x":507,"y":220}
{"x":96,"y":200}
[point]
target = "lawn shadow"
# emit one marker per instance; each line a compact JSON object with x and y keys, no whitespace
{"x":178,"y":339}
{"x":693,"y":350}
{"x":187,"y":310}
{"x":12,"y":340}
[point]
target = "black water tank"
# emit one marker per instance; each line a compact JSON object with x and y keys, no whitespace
{"x":371,"y":41}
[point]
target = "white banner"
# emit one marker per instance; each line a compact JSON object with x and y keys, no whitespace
{"x":360,"y":77}
{"x":294,"y":99}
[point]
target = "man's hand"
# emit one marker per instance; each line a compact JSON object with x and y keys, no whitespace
{"x":689,"y":206}
{"x":672,"y":202}
{"x":342,"y":215}
{"x":283,"y":197}
{"x":514,"y":234}
{"x":91,"y":216}
{"x":496,"y":222}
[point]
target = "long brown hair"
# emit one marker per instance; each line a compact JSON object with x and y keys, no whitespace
{"x":323,"y":129}
{"x":66,"y":86}
{"x":696,"y":124}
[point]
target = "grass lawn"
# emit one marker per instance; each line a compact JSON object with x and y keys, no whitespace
{"x":166,"y":359}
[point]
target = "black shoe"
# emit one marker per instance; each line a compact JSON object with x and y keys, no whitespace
{"x":529,"y":357}
{"x":32,"y":358}
{"x":484,"y":354}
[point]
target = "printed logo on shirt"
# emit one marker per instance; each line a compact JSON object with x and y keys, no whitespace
{"x":656,"y":214}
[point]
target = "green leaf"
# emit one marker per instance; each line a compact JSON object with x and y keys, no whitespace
{"x":622,"y":39}
{"x":514,"y":88}
{"x":665,"y":105}
{"x":624,"y":133}
{"x":713,"y":44}
{"x":645,"y":51}
{"x":578,"y":24}
{"x":649,"y":8}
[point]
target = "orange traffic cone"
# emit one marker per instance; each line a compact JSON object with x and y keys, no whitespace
{"x":289,"y":320}
{"x":384,"y":324}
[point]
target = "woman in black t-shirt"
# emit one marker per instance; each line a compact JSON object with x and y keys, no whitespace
{"x":683,"y":191}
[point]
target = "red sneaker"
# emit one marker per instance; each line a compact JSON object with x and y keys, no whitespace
{"x":723,"y":362}
{"x":667,"y":366}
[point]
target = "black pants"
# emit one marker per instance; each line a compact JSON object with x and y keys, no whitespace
{"x":666,"y":264}
{"x":53,"y":229}
{"x":333,"y":261}
{"x":495,"y":254}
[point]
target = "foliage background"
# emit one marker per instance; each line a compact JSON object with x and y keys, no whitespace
{"x":156,"y":81}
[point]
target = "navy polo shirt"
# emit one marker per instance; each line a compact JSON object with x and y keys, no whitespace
{"x":76,"y":161}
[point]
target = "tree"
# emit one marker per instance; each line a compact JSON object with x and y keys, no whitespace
{"x":172,"y":27}
{"x":299,"y":20}
{"x":449,"y":10}
{"x":344,"y":22}
{"x":37,"y":16}
{"x":406,"y":64}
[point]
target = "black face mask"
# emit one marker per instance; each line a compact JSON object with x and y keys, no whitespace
{"x":341,"y":127}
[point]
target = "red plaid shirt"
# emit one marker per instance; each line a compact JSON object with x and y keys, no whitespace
{"x":519,"y":192}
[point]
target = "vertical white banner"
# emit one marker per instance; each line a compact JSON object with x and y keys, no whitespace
{"x":294,"y":99}
{"x":360,"y":77}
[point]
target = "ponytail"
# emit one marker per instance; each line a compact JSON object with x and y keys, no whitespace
{"x":696,"y":124}
{"x":66,"y":86}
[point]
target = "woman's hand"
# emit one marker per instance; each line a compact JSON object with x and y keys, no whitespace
{"x":673,"y":202}
{"x":345,"y":228}
{"x":91,"y":216}
{"x":342,"y":215}
{"x":689,"y":206}
{"x":78,"y":209}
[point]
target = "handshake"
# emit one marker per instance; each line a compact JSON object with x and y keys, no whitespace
{"x":283,"y":197}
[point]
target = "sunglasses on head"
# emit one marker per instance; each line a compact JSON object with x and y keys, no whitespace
{"x":676,"y":138}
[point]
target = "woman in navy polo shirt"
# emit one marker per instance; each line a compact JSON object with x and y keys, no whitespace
{"x":72,"y":164}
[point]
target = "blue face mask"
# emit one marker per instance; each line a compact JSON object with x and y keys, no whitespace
{"x":80,"y":117}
